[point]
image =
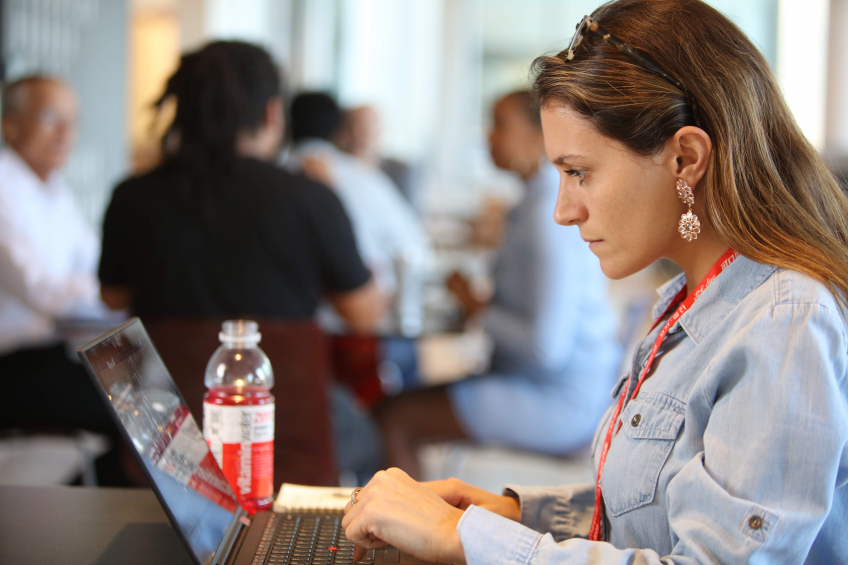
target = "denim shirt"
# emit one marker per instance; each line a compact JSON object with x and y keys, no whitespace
{"x":740,"y":451}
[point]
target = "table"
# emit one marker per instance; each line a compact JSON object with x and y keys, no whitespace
{"x":378,"y":366}
{"x":86,"y":526}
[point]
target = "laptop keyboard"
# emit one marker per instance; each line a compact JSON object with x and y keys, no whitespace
{"x":307,"y":540}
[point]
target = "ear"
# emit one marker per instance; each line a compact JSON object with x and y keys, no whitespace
{"x":691,"y":148}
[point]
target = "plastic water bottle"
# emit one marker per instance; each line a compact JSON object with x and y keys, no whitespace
{"x":238,"y":414}
{"x":409,"y":304}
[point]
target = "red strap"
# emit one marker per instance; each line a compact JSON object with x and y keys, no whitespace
{"x":724,"y":261}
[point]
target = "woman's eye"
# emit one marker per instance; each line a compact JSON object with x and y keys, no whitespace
{"x":574,"y":173}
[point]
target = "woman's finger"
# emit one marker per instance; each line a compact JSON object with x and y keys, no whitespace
{"x":351,"y":511}
{"x":454,"y":492}
{"x":359,"y":552}
{"x":360,"y":549}
{"x":357,"y":529}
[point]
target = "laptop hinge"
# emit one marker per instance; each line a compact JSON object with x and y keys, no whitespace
{"x":230,"y":536}
{"x":248,"y":544}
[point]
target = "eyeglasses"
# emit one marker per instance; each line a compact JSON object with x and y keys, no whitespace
{"x":587,"y":24}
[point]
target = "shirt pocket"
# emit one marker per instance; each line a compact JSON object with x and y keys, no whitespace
{"x":650,"y":425}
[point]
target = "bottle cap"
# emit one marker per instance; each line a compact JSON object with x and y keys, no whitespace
{"x":244,"y":332}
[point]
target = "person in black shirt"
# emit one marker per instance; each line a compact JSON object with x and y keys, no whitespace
{"x":217,"y":229}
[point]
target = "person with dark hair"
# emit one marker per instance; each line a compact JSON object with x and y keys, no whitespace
{"x":217,"y":229}
{"x":728,"y":440}
{"x":315,"y":115}
{"x":553,"y":330}
{"x":385,"y":224}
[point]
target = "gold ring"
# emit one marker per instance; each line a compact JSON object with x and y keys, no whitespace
{"x":353,"y":496}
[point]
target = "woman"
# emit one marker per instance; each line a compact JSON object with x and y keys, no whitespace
{"x":728,"y":443}
{"x":217,"y":230}
{"x":555,"y":354}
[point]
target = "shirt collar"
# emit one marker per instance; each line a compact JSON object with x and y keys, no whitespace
{"x":667,"y":293}
{"x":727,"y":290}
{"x":53,"y":179}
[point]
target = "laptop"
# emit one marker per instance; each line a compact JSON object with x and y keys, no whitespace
{"x":169,"y":446}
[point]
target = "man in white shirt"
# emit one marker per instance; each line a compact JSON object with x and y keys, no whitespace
{"x":385,"y":225}
{"x":48,"y":255}
{"x":48,"y":260}
{"x":360,"y":136}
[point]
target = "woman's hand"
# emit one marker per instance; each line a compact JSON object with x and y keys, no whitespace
{"x":394,"y":509}
{"x":462,"y":495}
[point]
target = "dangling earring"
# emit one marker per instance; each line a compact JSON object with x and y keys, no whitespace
{"x":689,"y":225}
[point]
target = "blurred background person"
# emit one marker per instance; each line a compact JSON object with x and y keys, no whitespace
{"x":48,"y":260}
{"x":360,"y":135}
{"x":555,"y":353}
{"x":218,"y":230}
{"x":385,"y":224}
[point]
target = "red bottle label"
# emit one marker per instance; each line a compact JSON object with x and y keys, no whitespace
{"x":241,"y":438}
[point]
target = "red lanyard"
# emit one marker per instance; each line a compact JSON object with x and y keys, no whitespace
{"x":729,"y":256}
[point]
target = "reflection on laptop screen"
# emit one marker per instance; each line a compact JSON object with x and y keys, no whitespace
{"x":165,"y":435}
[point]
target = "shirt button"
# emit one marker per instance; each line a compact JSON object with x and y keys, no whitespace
{"x":636,"y":419}
{"x":755,"y":523}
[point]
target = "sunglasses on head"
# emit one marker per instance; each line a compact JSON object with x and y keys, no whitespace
{"x":588,"y":25}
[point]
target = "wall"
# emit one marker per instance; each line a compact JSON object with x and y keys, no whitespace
{"x":836,"y":136}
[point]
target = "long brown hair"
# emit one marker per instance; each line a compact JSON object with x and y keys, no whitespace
{"x":767,"y":191}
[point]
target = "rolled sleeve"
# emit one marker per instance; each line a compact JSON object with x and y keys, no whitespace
{"x":565,"y":512}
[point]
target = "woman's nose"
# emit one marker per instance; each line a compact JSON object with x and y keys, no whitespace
{"x":569,"y":210}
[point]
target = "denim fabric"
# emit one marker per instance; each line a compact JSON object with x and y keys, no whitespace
{"x":740,"y":451}
{"x":553,"y":329}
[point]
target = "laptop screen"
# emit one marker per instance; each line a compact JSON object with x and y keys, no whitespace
{"x":166,"y":437}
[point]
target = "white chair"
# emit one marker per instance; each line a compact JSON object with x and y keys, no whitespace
{"x":47,"y":459}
